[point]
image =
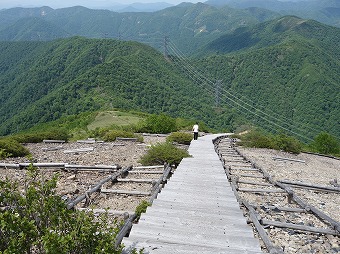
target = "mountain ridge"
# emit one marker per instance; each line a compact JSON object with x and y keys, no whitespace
{"x":188,"y":25}
{"x":274,"y":32}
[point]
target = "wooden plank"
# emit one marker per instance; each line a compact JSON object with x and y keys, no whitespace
{"x":133,"y":180}
{"x":155,"y":135}
{"x":124,"y":230}
{"x":127,"y":192}
{"x":146,"y":172}
{"x":9,"y":165}
{"x":236,"y":160}
{"x":239,"y":165}
{"x":73,"y":167}
{"x":254,"y":176}
{"x":261,"y":190}
{"x":255,"y":183}
{"x":148,"y":167}
{"x":310,"y":186}
{"x":126,"y":139}
{"x":213,"y":237}
{"x":109,"y":211}
{"x":87,"y":141}
{"x":44,"y":165}
{"x":118,"y":144}
{"x":282,"y":209}
{"x":80,"y":150}
{"x":97,"y":187}
{"x":53,"y":141}
{"x":263,"y":234}
{"x":219,"y":234}
{"x":314,"y":210}
{"x":166,"y":173}
{"x":47,"y":149}
{"x":246,"y":169}
{"x":146,"y":245}
{"x":300,"y":227}
{"x":24,"y":165}
{"x":288,"y":159}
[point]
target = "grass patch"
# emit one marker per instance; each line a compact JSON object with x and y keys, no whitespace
{"x":108,"y":118}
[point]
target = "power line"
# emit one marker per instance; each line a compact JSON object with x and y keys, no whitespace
{"x":233,"y":101}
{"x":279,"y":117}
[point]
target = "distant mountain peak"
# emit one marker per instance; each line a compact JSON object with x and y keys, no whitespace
{"x":288,"y":22}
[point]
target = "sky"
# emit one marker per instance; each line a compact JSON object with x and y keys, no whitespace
{"x":86,"y":3}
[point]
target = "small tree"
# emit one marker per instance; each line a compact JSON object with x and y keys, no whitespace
{"x":158,"y":124}
{"x":326,"y":144}
{"x":288,"y":144}
{"x":36,"y":220}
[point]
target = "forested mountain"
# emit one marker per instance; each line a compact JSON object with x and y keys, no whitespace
{"x":287,"y":77}
{"x":32,"y":29}
{"x":275,"y":32}
{"x":289,"y":66}
{"x":279,"y":73}
{"x":42,"y":81}
{"x":187,"y":25}
{"x":325,"y":11}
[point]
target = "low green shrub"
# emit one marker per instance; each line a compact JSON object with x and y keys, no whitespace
{"x":180,"y":137}
{"x":4,"y":154}
{"x":37,"y":137}
{"x":141,"y":208}
{"x":279,"y":142}
{"x":163,"y":153}
{"x":257,"y":139}
{"x":111,"y":135}
{"x":12,"y":148}
{"x":98,"y":132}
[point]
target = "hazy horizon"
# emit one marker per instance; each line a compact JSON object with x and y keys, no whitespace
{"x":5,"y":4}
{"x":86,"y":3}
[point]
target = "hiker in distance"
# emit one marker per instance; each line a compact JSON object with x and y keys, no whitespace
{"x":195,"y":130}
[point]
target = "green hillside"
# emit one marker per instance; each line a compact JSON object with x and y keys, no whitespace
{"x":43,"y":81}
{"x":325,"y":11}
{"x":284,"y":29}
{"x":289,"y":66}
{"x":32,"y":29}
{"x":281,"y":75}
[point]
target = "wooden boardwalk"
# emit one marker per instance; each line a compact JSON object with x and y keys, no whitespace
{"x":196,"y":212}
